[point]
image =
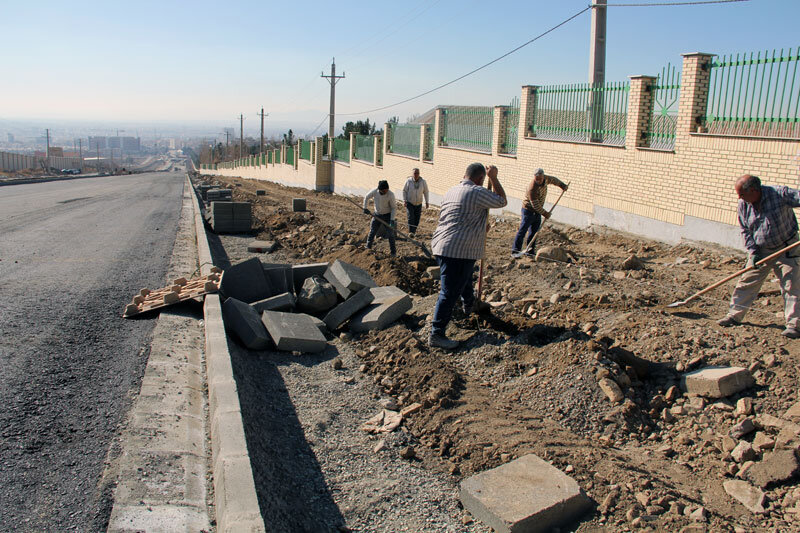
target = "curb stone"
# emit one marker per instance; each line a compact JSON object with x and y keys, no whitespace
{"x":235,"y":496}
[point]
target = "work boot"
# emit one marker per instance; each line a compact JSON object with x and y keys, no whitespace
{"x":727,"y":322}
{"x":791,"y":333}
{"x":440,"y":341}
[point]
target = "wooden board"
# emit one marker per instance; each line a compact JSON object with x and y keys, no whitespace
{"x":179,"y":291}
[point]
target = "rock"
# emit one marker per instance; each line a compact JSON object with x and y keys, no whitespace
{"x":337,"y":363}
{"x":408,"y":453}
{"x":555,"y":298}
{"x":743,"y":452}
{"x":728,"y":444}
{"x":746,"y":494}
{"x":632,"y":263}
{"x":411,"y":409}
{"x":762,"y":441}
{"x":775,"y":467}
{"x":793,"y":412}
{"x":744,"y":406}
{"x":672,"y":394}
{"x":523,"y":495}
{"x":346,"y":336}
{"x":742,"y":428}
{"x":390,"y":404}
{"x":380,"y":446}
{"x":619,"y":274}
{"x":316,"y":296}
{"x":384,"y":422}
{"x":717,"y":381}
{"x":300,"y":273}
{"x":611,"y":389}
{"x":552,"y":253}
{"x":699,"y":515}
{"x":294,"y":332}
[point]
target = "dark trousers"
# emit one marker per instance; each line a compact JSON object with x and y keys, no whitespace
{"x":456,"y":282}
{"x":531,"y":220}
{"x":375,"y":226}
{"x":414,"y":214}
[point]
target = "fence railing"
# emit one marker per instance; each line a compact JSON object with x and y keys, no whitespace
{"x":305,"y":150}
{"x":755,"y":96}
{"x":269,"y":156}
{"x":469,"y":128}
{"x":404,"y":139}
{"x":511,"y":128}
{"x":289,"y":155}
{"x":429,"y":140}
{"x":341,"y":150}
{"x":564,"y":112}
{"x":277,"y":156}
{"x":365,"y":148}
{"x":666,"y":94}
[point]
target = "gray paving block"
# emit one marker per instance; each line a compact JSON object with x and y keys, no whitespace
{"x":260,"y":192}
{"x":281,"y":302}
{"x":348,"y":279}
{"x":300,"y":273}
{"x":717,"y":381}
{"x":245,"y":323}
{"x":221,"y":208}
{"x":524,"y":495}
{"x":318,"y":322}
{"x":298,"y":204}
{"x":262,"y":246}
{"x":293,"y":332}
{"x":246,"y":281}
{"x":383,"y":294}
{"x":339,"y":314}
{"x":379,"y":316}
{"x":280,"y":279}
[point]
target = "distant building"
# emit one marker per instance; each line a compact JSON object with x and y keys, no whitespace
{"x":11,"y":137}
{"x":131,"y":144}
{"x":114,"y":143}
{"x":97,"y":143}
{"x":56,"y":151}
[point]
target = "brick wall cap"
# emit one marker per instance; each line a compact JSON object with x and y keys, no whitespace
{"x":702,"y":54}
{"x":643,"y":77}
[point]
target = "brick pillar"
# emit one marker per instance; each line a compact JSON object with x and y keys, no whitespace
{"x":352,"y":145}
{"x":387,"y":138}
{"x":694,"y":95}
{"x":319,"y":144}
{"x":498,"y":120}
{"x":438,"y":130}
{"x":323,"y":167}
{"x":283,"y":153}
{"x":421,"y":142}
{"x":527,"y":111}
{"x":377,"y":151}
{"x":640,"y":111}
{"x":313,"y":148}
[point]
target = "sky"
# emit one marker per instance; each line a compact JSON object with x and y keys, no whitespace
{"x":205,"y":62}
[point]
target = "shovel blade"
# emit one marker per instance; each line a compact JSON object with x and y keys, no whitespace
{"x":679,"y":303}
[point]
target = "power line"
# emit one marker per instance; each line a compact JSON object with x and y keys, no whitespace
{"x":658,"y":4}
{"x":495,"y":60}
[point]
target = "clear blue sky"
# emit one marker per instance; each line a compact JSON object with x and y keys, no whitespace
{"x":205,"y":61}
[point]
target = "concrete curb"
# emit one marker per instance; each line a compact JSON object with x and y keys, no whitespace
{"x":235,"y":496}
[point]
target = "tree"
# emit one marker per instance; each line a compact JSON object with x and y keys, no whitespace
{"x":394,"y":120}
{"x":361,"y":127}
{"x":288,"y":138}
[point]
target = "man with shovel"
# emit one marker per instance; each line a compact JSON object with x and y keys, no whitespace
{"x":459,"y":241}
{"x":768,"y":224}
{"x":533,"y":210}
{"x":384,"y":210}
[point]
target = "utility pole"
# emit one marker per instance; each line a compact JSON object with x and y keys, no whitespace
{"x":80,"y":152}
{"x":47,"y":153}
{"x":262,"y":128}
{"x":97,"y":145}
{"x":332,"y":79}
{"x":597,"y":70}
{"x":241,"y":136}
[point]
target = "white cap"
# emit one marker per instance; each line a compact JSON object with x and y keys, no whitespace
{"x":538,"y":171}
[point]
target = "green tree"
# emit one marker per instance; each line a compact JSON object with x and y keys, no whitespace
{"x":288,"y":138}
{"x":362,"y":127}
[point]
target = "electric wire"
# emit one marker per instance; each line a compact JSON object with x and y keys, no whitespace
{"x":662,"y":4}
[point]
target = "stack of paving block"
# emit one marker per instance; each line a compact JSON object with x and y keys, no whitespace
{"x":230,"y":217}
{"x":204,"y":188}
{"x":261,"y":302}
{"x":219,"y":195}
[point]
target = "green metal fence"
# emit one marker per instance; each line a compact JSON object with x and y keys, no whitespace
{"x":511,"y":128}
{"x":404,"y":139}
{"x":428,"y":142}
{"x":341,"y":150}
{"x":755,"y":96}
{"x":289,"y":155}
{"x":269,"y":157}
{"x":469,"y":128}
{"x":305,"y":150}
{"x":563,"y":113}
{"x":365,"y":147}
{"x":666,"y":94}
{"x":277,"y":157}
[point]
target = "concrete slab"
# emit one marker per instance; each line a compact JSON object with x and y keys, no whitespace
{"x":384,"y":294}
{"x":245,"y":322}
{"x":281,"y":302}
{"x":262,"y":247}
{"x":339,"y":314}
{"x":298,"y":204}
{"x":294,"y":333}
{"x":300,"y":273}
{"x":348,"y":279}
{"x":717,"y":381}
{"x":280,"y":279}
{"x":525,"y":495}
{"x":246,"y":281}
{"x":379,"y":316}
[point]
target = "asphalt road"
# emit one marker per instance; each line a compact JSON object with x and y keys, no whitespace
{"x":72,"y":253}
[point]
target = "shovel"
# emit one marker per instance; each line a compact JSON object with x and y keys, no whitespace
{"x":734,"y":275}
{"x":389,"y":228}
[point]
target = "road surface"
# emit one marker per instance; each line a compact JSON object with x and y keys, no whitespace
{"x":72,"y":253}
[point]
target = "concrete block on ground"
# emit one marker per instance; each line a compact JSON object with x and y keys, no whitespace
{"x":339,"y":314}
{"x":348,"y":279}
{"x":525,"y":495}
{"x":298,"y":204}
{"x":262,"y":247}
{"x":281,"y":302}
{"x":379,"y":316}
{"x":775,"y":467}
{"x":318,"y":322}
{"x":246,"y":281}
{"x":280,"y":278}
{"x":260,"y":192}
{"x":384,"y":294}
{"x":717,"y":381}
{"x":245,"y":322}
{"x":316,"y":296}
{"x":294,"y":332}
{"x":300,"y":273}
{"x":746,"y":494}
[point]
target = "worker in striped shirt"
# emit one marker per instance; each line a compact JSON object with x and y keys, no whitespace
{"x":385,"y":208}
{"x":533,"y":209}
{"x":458,"y":241}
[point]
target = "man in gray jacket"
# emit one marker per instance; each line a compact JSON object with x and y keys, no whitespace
{"x":414,"y":191}
{"x":384,"y":210}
